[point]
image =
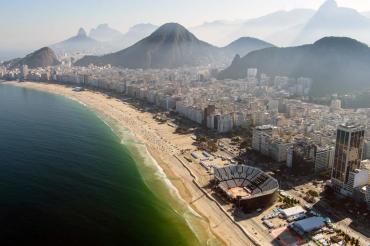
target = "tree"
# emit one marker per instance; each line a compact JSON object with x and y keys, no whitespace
{"x":243,"y":145}
{"x":212,"y":145}
{"x":346,"y":238}
{"x":313,"y":193}
{"x":235,"y":139}
{"x":352,"y":240}
{"x":202,"y":139}
{"x":357,"y":242}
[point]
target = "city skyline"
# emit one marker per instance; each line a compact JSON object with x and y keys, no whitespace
{"x":36,"y":24}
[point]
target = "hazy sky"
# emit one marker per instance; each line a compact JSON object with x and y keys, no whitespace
{"x":29,"y":24}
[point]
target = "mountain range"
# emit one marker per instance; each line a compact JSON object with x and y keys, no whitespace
{"x":336,"y":64}
{"x":80,"y":43}
{"x":294,"y":27}
{"x":172,"y":46}
{"x":332,"y":20}
{"x":218,"y":32}
{"x":104,"y":33}
{"x":114,"y":40}
{"x":102,"y":40}
{"x":282,"y":28}
{"x":244,"y":45}
{"x":43,"y":57}
{"x":133,"y":35}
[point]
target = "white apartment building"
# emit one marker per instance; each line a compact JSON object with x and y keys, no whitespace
{"x":356,"y":178}
{"x":336,"y":104}
{"x":190,"y":112}
{"x":279,"y":150}
{"x":224,"y":123}
{"x":269,"y":145}
{"x":324,"y":158}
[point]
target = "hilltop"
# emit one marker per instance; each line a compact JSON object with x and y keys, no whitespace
{"x":43,"y":57}
{"x":172,"y":46}
{"x":334,"y":63}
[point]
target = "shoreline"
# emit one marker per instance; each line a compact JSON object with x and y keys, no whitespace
{"x":163,"y":149}
{"x":153,"y":163}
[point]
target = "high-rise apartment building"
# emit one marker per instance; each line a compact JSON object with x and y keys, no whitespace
{"x":24,"y":72}
{"x":348,"y":153}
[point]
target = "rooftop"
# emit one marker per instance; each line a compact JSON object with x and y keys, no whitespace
{"x":310,"y":224}
{"x":293,"y":211}
{"x":352,"y":126}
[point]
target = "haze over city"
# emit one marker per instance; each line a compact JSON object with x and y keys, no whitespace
{"x":32,"y":24}
{"x":185,"y":123}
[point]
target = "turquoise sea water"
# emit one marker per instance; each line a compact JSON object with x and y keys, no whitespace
{"x":67,"y":179}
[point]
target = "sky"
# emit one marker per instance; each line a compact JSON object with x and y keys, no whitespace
{"x":30,"y":24}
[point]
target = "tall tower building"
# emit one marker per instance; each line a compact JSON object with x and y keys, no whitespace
{"x":348,"y":153}
{"x":24,"y":72}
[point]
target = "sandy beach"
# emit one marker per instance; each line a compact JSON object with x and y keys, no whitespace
{"x":164,"y":146}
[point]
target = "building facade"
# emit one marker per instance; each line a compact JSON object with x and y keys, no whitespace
{"x":348,"y":153}
{"x":324,"y":158}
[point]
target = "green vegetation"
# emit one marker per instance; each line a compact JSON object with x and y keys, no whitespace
{"x":242,"y":136}
{"x":202,"y":139}
{"x":212,"y":145}
{"x":288,"y":201}
{"x":235,"y":139}
{"x":204,"y":142}
{"x":312,"y":193}
{"x":347,"y":238}
{"x":244,"y":144}
{"x":325,"y":175}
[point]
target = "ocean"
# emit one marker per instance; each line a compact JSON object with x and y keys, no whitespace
{"x":66,"y":178}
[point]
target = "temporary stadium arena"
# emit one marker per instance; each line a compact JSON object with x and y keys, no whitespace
{"x":247,"y":186}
